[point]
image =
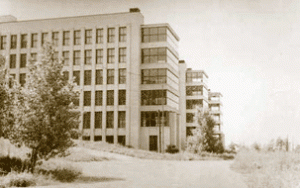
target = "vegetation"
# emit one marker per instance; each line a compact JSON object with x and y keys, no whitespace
{"x":17,"y":180}
{"x":15,"y":164}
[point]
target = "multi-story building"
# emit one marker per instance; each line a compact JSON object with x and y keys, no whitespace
{"x":127,"y":73}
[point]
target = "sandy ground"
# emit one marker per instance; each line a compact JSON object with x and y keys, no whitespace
{"x":131,"y":172}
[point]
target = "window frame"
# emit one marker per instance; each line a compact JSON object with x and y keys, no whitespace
{"x":122,"y":34}
{"x":76,"y":57}
{"x":87,"y":77}
{"x":24,"y":40}
{"x":122,"y":76}
{"x":88,"y":36}
{"x":122,"y":55}
{"x":99,"y":56}
{"x":77,"y":37}
{"x":66,"y":38}
{"x":121,"y":119}
{"x":110,"y":55}
{"x":110,"y":98}
{"x":13,"y":41}
{"x":87,"y":97}
{"x":88,"y":57}
{"x":3,"y":42}
{"x":99,"y":77}
{"x":99,"y":36}
{"x":110,"y":76}
{"x":23,"y":60}
{"x":111,"y":35}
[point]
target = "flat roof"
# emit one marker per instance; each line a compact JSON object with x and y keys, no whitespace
{"x":161,"y":25}
{"x":215,"y":94}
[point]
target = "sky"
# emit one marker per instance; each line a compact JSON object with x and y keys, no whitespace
{"x":249,"y":49}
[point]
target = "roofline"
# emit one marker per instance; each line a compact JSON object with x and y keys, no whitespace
{"x":191,"y":70}
{"x":163,"y":24}
{"x":68,"y":17}
{"x":215,"y":93}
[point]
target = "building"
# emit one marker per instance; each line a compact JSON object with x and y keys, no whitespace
{"x":132,"y":85}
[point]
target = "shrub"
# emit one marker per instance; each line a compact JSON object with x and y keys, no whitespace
{"x":18,"y":180}
{"x":8,"y":164}
{"x":59,"y":170}
{"x":172,"y":149}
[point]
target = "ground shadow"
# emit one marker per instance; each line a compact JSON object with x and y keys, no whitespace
{"x":93,"y":179}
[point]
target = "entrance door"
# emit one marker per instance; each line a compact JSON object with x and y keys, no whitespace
{"x":153,"y":143}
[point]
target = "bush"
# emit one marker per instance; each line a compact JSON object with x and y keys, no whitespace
{"x":8,"y":164}
{"x":17,"y":180}
{"x":59,"y":170}
{"x":172,"y":149}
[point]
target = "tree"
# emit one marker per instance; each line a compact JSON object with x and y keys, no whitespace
{"x":44,"y":111}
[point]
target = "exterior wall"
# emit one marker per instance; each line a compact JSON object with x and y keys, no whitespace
{"x":182,"y":105}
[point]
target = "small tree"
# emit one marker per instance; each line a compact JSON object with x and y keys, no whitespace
{"x":45,"y":114}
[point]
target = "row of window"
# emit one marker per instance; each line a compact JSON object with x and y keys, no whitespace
{"x":194,"y":77}
{"x":154,"y":97}
{"x":154,"y":34}
{"x":154,"y":55}
{"x":66,"y":40}
{"x":109,"y":139}
{"x":154,"y":76}
{"x":151,"y":118}
{"x":99,"y":98}
{"x":192,"y":104}
{"x":194,"y":90}
{"x":109,"y":120}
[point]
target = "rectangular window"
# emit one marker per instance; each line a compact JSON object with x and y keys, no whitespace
{"x":98,"y":120}
{"x":44,"y":38}
{"x":122,"y":119}
{"x":98,"y":98}
{"x":66,"y":58}
{"x":111,"y":35}
{"x":154,"y":76}
{"x":99,"y":36}
{"x":66,"y":38}
{"x":24,"y":41}
{"x":99,"y":56}
{"x":110,"y":55}
{"x":122,"y":76}
{"x":76,"y":58}
{"x":190,"y":117}
{"x":77,"y":37}
{"x":122,"y":97}
{"x":13,"y":61}
{"x":110,"y":76}
{"x":109,"y":119}
{"x":122,"y":140}
{"x":99,"y":77}
{"x":194,"y":90}
{"x":192,"y":104}
{"x":87,"y":98}
{"x":55,"y":38}
{"x":155,"y":34}
{"x":33,"y":57}
{"x":87,"y":120}
{"x":13,"y":41}
{"x":22,"y":79}
{"x":88,"y":36}
{"x":34,"y":40}
{"x":23,"y":59}
{"x":88,"y":57}
{"x":3,"y":43}
{"x":154,"y":97}
{"x":87,"y":77}
{"x":122,"y":34}
{"x":154,"y":55}
{"x":148,"y":119}
{"x":122,"y":55}
{"x":110,"y":97}
{"x":76,"y":75}
{"x":66,"y":75}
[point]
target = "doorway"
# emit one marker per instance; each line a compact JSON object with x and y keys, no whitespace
{"x":153,"y":143}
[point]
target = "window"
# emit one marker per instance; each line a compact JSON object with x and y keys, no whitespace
{"x":110,"y":139}
{"x":97,"y":138}
{"x":23,"y":59}
{"x":22,"y":79}
{"x":13,"y":61}
{"x":87,"y":77}
{"x":34,"y":40}
{"x":76,"y":60}
{"x":194,"y":77}
{"x":154,"y":76}
{"x":99,"y":56}
{"x":111,"y":35}
{"x":77,"y":37}
{"x":99,"y":36}
{"x":88,"y":57}
{"x":192,"y":104}
{"x":194,"y":90}
{"x":122,"y":76}
{"x":66,"y":38}
{"x":122,"y":34}
{"x":66,"y":58}
{"x":109,"y":119}
{"x":88,"y":36}
{"x":44,"y":38}
{"x":76,"y":74}
{"x":110,"y":55}
{"x":66,"y":75}
{"x":55,"y":38}
{"x":122,"y":119}
{"x":122,"y":140}
{"x":13,"y":41}
{"x":87,"y":98}
{"x":148,"y":119}
{"x":99,"y":77}
{"x":110,"y":97}
{"x":24,"y":41}
{"x":98,"y":120}
{"x":154,"y":55}
{"x":3,"y":43}
{"x":98,"y":98}
{"x":110,"y":76}
{"x":190,"y":117}
{"x":122,"y":55}
{"x":86,"y":138}
{"x":87,"y":120}
{"x":154,"y":97}
{"x":155,"y":34}
{"x":33,"y":57}
{"x":122,"y":97}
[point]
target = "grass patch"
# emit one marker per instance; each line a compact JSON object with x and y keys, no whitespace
{"x":17,"y":180}
{"x":268,"y":169}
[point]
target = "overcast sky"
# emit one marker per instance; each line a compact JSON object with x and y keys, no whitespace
{"x":250,"y":50}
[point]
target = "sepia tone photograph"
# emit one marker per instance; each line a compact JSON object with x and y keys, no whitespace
{"x":150,"y":93}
